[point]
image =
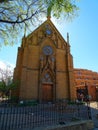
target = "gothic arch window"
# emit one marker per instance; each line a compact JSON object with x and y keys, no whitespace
{"x":47,"y":78}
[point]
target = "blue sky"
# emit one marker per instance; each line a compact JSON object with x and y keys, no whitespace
{"x":83,"y":32}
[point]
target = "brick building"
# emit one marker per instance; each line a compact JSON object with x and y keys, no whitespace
{"x":89,"y":78}
{"x":44,"y":66}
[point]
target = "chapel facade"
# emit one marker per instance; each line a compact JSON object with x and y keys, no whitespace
{"x":44,"y":66}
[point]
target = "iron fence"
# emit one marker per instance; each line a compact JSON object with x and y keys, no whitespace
{"x":17,"y":117}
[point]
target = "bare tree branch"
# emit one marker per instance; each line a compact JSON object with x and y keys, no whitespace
{"x":18,"y":21}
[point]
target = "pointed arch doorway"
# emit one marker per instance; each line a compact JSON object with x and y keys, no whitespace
{"x":47,"y":88}
{"x":47,"y":92}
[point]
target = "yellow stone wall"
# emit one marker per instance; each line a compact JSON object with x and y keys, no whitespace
{"x":61,"y":80}
{"x":30,"y":72}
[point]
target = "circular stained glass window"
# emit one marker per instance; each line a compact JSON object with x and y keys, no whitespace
{"x":47,"y":50}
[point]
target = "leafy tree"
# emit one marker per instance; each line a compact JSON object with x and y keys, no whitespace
{"x":6,"y":73}
{"x":15,"y":15}
{"x":6,"y":81}
{"x":5,"y":89}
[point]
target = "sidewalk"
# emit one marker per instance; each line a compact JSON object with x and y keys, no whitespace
{"x":94,"y":112}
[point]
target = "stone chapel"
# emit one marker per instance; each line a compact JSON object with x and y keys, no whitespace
{"x":44,"y":66}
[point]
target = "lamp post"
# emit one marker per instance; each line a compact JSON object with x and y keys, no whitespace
{"x":88,"y":102}
{"x":97,"y":95}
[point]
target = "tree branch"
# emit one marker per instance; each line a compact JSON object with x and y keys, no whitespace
{"x":18,"y":21}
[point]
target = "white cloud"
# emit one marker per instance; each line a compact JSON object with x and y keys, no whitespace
{"x":6,"y":69}
{"x":2,"y":65}
{"x":5,"y":65}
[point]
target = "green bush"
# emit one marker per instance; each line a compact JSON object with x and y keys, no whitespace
{"x":71,"y":102}
{"x":75,"y":119}
{"x":75,"y":103}
{"x":28,"y":103}
{"x":14,"y":99}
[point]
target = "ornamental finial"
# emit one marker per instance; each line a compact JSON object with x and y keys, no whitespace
{"x":67,"y":37}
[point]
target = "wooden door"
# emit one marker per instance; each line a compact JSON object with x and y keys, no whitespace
{"x":47,"y":92}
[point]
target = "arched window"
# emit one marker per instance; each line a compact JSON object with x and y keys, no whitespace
{"x":46,"y":78}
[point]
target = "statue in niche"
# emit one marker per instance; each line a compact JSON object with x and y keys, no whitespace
{"x":52,"y":63}
{"x":41,"y":62}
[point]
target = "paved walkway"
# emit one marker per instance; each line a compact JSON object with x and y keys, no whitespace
{"x":94,"y":112}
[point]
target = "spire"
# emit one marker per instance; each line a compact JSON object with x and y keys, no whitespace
{"x":24,"y":37}
{"x":68,"y":49}
{"x":67,"y":37}
{"x":25,"y":31}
